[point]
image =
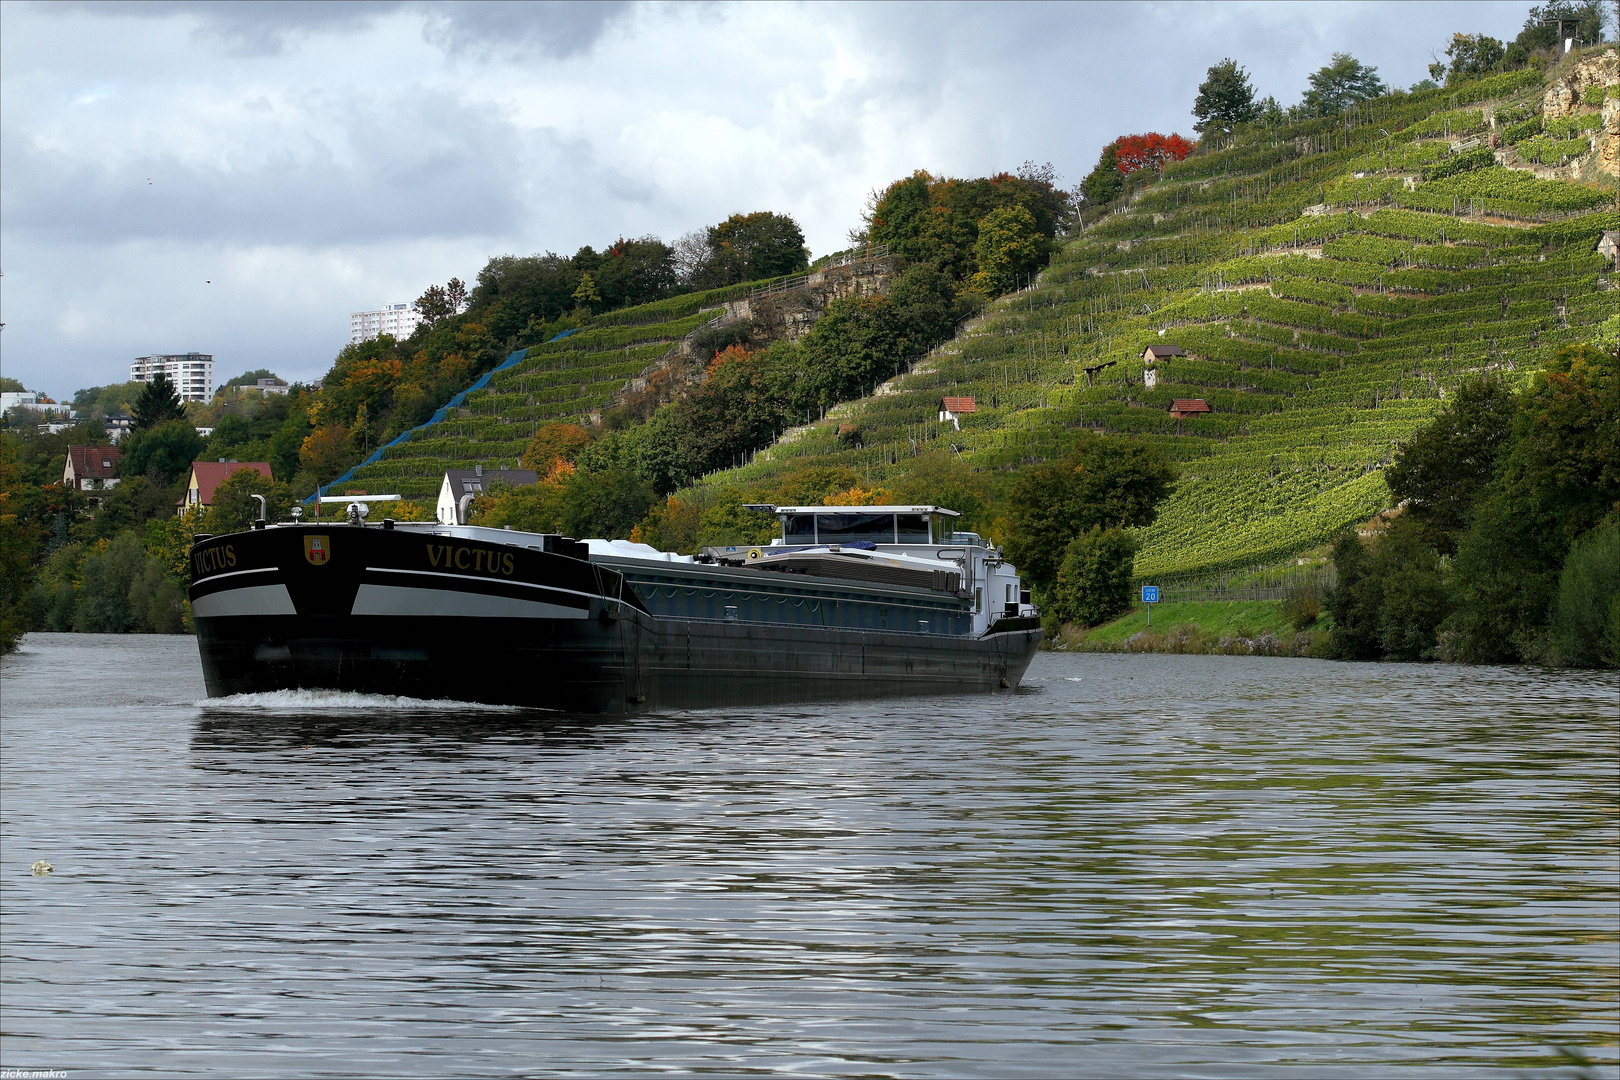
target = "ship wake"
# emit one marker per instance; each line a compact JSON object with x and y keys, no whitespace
{"x":305,"y":701}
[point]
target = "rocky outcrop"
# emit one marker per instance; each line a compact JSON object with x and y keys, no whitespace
{"x":1566,"y":95}
{"x":1608,"y":156}
{"x":786,"y":312}
{"x":782,"y":312}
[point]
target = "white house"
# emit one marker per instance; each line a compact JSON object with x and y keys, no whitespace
{"x":467,"y":484}
{"x":952,"y":409}
{"x":29,"y":399}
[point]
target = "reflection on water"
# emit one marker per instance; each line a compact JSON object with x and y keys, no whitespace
{"x":1139,"y":865}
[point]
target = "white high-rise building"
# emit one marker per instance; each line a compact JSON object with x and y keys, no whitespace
{"x":191,"y":373}
{"x":396,"y":320}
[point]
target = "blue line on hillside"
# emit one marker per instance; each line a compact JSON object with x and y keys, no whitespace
{"x":453,"y":403}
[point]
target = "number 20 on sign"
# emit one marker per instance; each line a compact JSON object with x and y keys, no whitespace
{"x":1150,"y":596}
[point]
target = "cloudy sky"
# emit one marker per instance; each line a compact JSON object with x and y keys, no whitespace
{"x":238,"y":178}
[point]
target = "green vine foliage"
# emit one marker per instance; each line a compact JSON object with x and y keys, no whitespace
{"x":1325,"y":318}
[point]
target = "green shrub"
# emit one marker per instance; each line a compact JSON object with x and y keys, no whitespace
{"x":1567,"y":127}
{"x":1461,"y":163}
{"x":1302,"y":607}
{"x":1585,"y":622}
{"x":1094,"y":579}
{"x":1520,"y":132}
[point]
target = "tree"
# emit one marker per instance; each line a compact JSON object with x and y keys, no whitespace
{"x":554,"y":442}
{"x":1412,"y":590}
{"x":1439,"y":472}
{"x":20,"y":543}
{"x":1225,"y":99}
{"x":750,"y":247}
{"x":1353,"y":602}
{"x":1094,"y":579}
{"x":1555,"y":481}
{"x":928,"y":219}
{"x":1132,"y":153}
{"x":941,"y":477}
{"x":1105,"y":182}
{"x":117,"y":398}
{"x":440,"y":302}
{"x":324,"y":451}
{"x":1585,"y":622}
{"x":1341,"y":83}
{"x":1103,"y":483}
{"x":585,"y":294}
{"x":250,"y":378}
{"x":158,"y":403}
{"x":1471,"y":55}
{"x":234,"y":509}
{"x":130,"y":505}
{"x":163,"y":453}
{"x":635,"y":272}
{"x":1008,"y":247}
{"x":1583,"y":21}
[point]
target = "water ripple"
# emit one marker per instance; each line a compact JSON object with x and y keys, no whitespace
{"x":1137,"y":866}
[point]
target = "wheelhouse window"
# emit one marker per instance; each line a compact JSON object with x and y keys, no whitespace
{"x":799,"y":529}
{"x":911,"y":528}
{"x":855,"y":528}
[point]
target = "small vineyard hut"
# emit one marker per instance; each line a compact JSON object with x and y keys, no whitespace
{"x":951,"y":409}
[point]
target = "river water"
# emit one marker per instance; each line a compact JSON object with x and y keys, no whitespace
{"x":1135,"y":866}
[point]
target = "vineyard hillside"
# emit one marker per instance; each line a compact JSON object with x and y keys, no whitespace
{"x":1329,"y":283}
{"x":570,"y":378}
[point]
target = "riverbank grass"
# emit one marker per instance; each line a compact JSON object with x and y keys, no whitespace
{"x":1233,"y":627}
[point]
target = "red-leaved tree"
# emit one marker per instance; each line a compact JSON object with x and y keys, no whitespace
{"x":1150,"y":151}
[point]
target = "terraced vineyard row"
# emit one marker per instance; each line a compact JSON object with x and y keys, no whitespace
{"x":1321,"y":335}
{"x":567,"y":378}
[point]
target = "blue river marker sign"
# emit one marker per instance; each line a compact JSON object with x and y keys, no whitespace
{"x":1150,"y":596}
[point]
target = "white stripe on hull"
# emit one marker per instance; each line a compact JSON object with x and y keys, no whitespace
{"x":397,"y":600}
{"x":253,"y":600}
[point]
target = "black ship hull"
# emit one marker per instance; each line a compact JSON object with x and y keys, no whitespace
{"x":410,"y":613}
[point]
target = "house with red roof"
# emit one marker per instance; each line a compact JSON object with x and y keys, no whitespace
{"x":206,"y":476}
{"x":91,"y":468}
{"x":951,"y":408}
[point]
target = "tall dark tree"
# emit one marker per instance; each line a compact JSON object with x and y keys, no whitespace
{"x":1105,"y":182}
{"x":635,"y":272}
{"x":1470,"y":55}
{"x":1104,"y":483}
{"x":1340,"y":84}
{"x":158,"y":403}
{"x":1441,"y":470}
{"x":1225,"y":99}
{"x":936,"y":220}
{"x":162,"y":453}
{"x":440,"y":302}
{"x":1582,"y":21}
{"x":749,"y":247}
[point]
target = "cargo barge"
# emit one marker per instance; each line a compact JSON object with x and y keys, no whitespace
{"x":847,"y":603}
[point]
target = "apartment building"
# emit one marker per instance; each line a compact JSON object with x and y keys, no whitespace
{"x":191,"y":373}
{"x":396,"y":320}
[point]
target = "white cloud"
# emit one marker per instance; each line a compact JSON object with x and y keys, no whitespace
{"x":236,"y":178}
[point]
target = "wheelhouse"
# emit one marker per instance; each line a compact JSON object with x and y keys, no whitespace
{"x":818,"y":526}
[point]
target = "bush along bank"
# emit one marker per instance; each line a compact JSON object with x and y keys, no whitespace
{"x":1213,"y":627}
{"x":1506,"y":546}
